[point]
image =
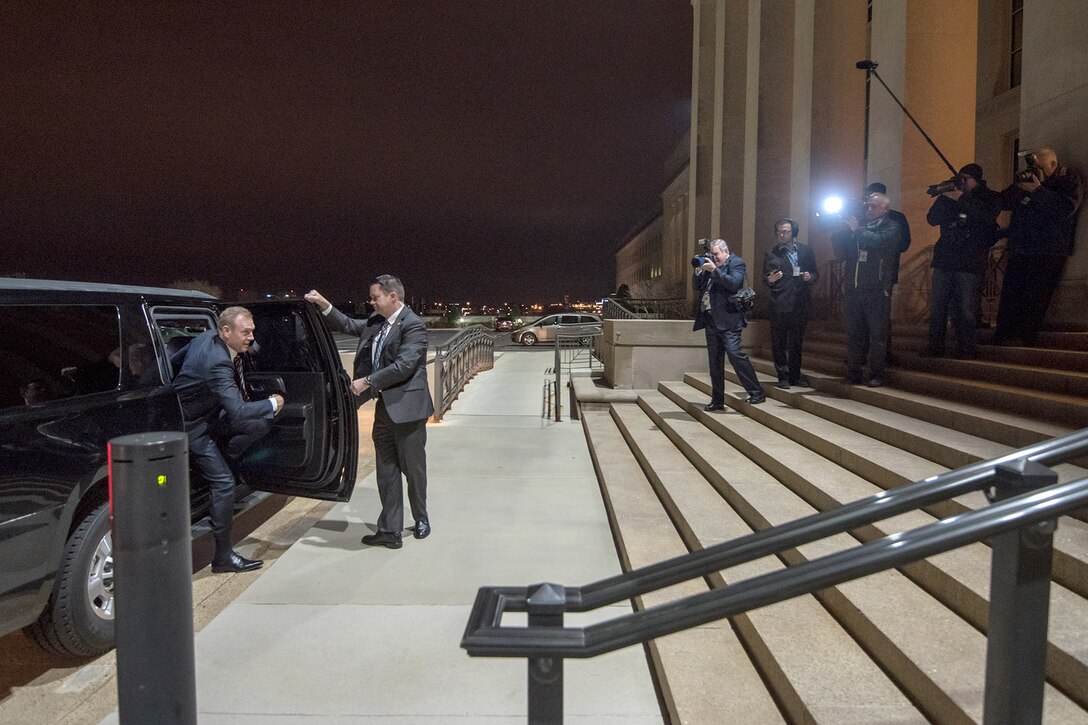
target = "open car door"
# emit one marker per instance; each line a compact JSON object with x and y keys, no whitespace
{"x":313,"y":447}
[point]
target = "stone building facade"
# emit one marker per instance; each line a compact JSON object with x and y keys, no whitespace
{"x":782,"y":117}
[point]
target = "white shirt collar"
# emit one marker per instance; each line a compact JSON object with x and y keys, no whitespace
{"x":393,"y":317}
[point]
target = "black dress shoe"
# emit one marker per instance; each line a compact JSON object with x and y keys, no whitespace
{"x":874,"y":382}
{"x":713,"y":406}
{"x":422,"y":529}
{"x":388,"y":539}
{"x":756,"y":399}
{"x":802,"y":382}
{"x":236,"y":563}
{"x":782,"y":385}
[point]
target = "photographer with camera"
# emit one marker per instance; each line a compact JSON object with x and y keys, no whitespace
{"x":904,"y":243}
{"x":1044,"y":199}
{"x":717,"y":276}
{"x":789,"y":269}
{"x":868,"y":251}
{"x":966,"y":211}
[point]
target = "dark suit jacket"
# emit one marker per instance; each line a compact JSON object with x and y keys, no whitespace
{"x":205,"y":385}
{"x":722,"y":282}
{"x":400,"y":376}
{"x":790,"y":295}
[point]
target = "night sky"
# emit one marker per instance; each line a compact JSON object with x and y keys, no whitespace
{"x":491,"y":150}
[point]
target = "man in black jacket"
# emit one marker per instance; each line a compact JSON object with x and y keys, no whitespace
{"x":789,"y":269}
{"x":869,"y":252}
{"x":967,"y":216}
{"x":220,"y":419}
{"x":717,"y":279}
{"x":904,"y":244}
{"x":1041,"y":231}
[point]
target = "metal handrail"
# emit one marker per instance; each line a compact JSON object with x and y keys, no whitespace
{"x":569,"y":347}
{"x":1002,"y":478}
{"x":666,"y":308}
{"x":465,"y":354}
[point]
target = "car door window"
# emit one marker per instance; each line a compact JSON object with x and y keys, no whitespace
{"x":50,"y":352}
{"x":177,"y":327}
{"x":568,"y":320}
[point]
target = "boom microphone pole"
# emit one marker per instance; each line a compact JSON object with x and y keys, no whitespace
{"x":870,"y":67}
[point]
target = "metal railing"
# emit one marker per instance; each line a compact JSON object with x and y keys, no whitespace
{"x":573,"y":351}
{"x":465,"y":354}
{"x":672,"y":308}
{"x":1019,"y":524}
{"x":989,"y":296}
{"x":991,"y":284}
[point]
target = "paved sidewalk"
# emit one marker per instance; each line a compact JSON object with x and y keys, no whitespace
{"x":337,"y":632}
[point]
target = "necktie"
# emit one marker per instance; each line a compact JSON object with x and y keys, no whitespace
{"x":378,"y":343}
{"x":240,"y":378}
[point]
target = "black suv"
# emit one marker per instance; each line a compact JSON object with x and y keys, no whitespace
{"x":83,"y":363}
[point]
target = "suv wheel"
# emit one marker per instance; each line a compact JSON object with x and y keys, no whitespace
{"x":79,"y":617}
{"x":528,"y":339}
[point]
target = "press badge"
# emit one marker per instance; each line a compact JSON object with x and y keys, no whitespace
{"x":863,"y":255}
{"x":796,"y":270}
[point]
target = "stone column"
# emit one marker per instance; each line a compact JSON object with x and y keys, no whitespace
{"x":837,"y":120}
{"x":703,"y":121}
{"x":737,"y":110}
{"x":1053,"y":109}
{"x":785,"y":120}
{"x":927,"y":55}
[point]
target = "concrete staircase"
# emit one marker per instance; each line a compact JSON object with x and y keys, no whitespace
{"x":1048,"y":382}
{"x":901,"y":646}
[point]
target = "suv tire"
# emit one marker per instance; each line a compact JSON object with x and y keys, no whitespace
{"x":528,"y":339}
{"x":71,"y":624}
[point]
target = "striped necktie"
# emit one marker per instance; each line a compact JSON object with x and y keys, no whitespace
{"x":240,"y":378}
{"x":378,"y":344}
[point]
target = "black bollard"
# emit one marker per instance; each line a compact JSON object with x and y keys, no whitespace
{"x":153,"y":569}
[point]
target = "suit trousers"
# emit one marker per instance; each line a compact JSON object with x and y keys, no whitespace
{"x":726,"y":343}
{"x":206,"y":455}
{"x":400,"y":448}
{"x":1028,"y":285}
{"x":865,"y":314}
{"x":954,"y":294}
{"x":787,"y":340}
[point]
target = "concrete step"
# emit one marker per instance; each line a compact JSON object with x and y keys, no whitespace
{"x":1048,"y":342}
{"x":813,"y":687}
{"x":704,"y":674}
{"x":959,"y":579}
{"x":888,"y":465}
{"x":1064,"y":372}
{"x":946,"y":447}
{"x":938,"y":659}
{"x":1008,"y":429}
{"x":1054,"y":408}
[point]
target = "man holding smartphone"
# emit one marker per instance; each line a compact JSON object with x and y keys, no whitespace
{"x":789,"y":269}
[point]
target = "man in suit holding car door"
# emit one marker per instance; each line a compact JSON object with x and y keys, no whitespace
{"x":391,"y":367}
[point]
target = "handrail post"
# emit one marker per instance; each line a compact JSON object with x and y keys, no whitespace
{"x":1019,"y":605}
{"x":545,"y":605}
{"x":439,"y":392}
{"x":557,"y":398}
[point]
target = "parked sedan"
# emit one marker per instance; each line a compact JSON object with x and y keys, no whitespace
{"x":545,"y":329}
{"x":503,"y":323}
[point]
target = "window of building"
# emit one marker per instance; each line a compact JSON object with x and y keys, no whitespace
{"x":1016,"y":43}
